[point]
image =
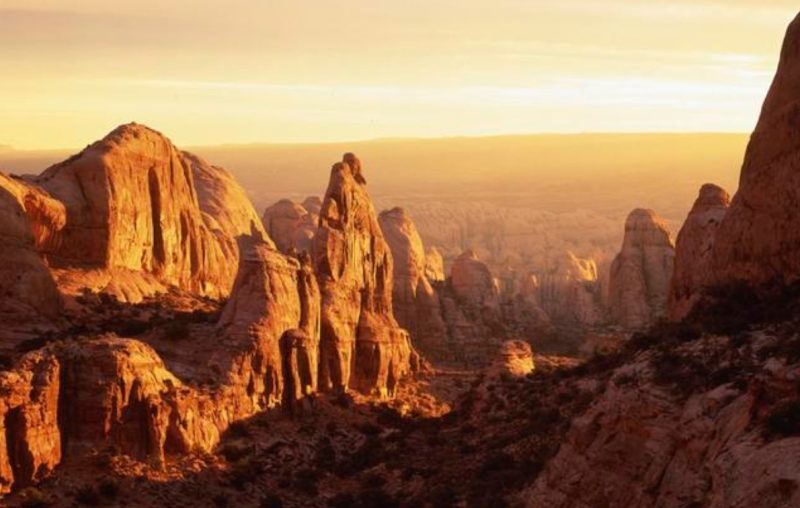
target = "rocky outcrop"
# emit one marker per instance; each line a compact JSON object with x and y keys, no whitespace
{"x":271,"y":322}
{"x":362,"y":345}
{"x":30,"y":441}
{"x":640,"y":445}
{"x":693,"y":249}
{"x":434,"y":265}
{"x":313,"y":205}
{"x":641,"y":273}
{"x":224,"y":202}
{"x":416,"y":304}
{"x":132,"y":205}
{"x":569,"y":292}
{"x":515,"y":358}
{"x":291,"y":225}
{"x":758,"y":242}
{"x":472,"y":281}
{"x":28,"y":220}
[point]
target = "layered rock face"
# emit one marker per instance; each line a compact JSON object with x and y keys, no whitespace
{"x":291,"y":225}
{"x":361,"y":343}
{"x":68,"y":397}
{"x":271,"y":323}
{"x":641,"y":273}
{"x":28,"y":220}
{"x":416,"y":304}
{"x":758,"y":240}
{"x":132,"y":205}
{"x":693,"y":249}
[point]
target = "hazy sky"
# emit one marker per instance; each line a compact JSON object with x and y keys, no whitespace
{"x":207,"y":72}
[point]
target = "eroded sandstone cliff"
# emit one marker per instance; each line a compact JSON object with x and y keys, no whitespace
{"x":758,"y":240}
{"x":693,"y":249}
{"x":28,"y":220}
{"x":132,"y":206}
{"x":641,"y":272}
{"x":416,"y":304}
{"x":361,"y":343}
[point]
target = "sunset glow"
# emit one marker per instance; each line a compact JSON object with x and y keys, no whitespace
{"x":278,"y":71}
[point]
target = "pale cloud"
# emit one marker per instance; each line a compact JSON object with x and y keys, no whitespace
{"x":247,"y":70}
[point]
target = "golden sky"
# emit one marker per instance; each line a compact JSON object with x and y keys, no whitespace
{"x":236,"y":71}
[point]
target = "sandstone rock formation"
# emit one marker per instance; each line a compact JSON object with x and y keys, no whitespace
{"x":416,"y":304}
{"x":313,"y":205}
{"x":291,"y":226}
{"x":28,"y":219}
{"x":515,"y":358}
{"x":271,"y":322}
{"x":133,"y":208}
{"x":693,"y":249}
{"x":223,"y":201}
{"x":569,"y":292}
{"x":472,"y":281}
{"x":758,"y":240}
{"x":434,"y":265}
{"x":638,"y":445}
{"x":641,"y":272}
{"x":361,"y":343}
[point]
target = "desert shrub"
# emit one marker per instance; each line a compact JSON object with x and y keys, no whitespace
{"x":87,"y":495}
{"x":220,"y":500}
{"x":324,"y":454}
{"x":29,"y":345}
{"x":342,"y":500}
{"x":32,"y":497}
{"x":238,"y":429}
{"x":128,"y":327}
{"x":370,"y":429}
{"x":443,"y":496}
{"x":234,"y":452}
{"x":373,"y":481}
{"x":784,"y":419}
{"x":271,"y":501}
{"x":245,"y":471}
{"x":497,"y":461}
{"x":176,"y":330}
{"x":375,"y":498}
{"x":367,"y":455}
{"x":108,"y":488}
{"x":344,"y":400}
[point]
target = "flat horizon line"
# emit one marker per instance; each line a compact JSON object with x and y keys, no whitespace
{"x":10,"y":149}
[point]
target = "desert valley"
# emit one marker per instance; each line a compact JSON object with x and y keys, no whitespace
{"x":577,"y":320}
